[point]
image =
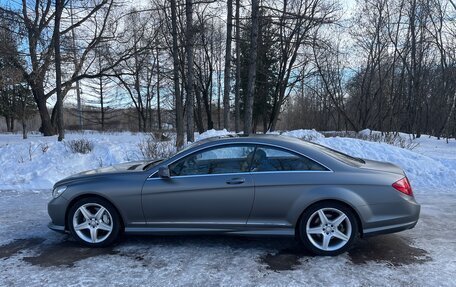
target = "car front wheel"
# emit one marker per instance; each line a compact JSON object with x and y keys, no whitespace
{"x":94,"y":222}
{"x":328,"y":228}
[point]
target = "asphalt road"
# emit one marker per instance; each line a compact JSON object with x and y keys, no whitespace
{"x":32,"y":255}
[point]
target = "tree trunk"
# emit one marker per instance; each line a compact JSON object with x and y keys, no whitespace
{"x":177,"y":93}
{"x":24,"y":128}
{"x":219,"y":95}
{"x":210,"y":122}
{"x":23,"y":103}
{"x":8,"y":124}
{"x":158,"y":93}
{"x":189,"y":55}
{"x":198,"y":115}
{"x":78,"y":92}
{"x":58,"y":69}
{"x":227,"y":71}
{"x":46,"y":124}
{"x":102,"y":105}
{"x":237,"y":112}
{"x":248,"y":113}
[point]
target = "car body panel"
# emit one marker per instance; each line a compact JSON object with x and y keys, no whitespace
{"x":265,"y":203}
{"x":121,"y":189}
{"x":204,"y":199}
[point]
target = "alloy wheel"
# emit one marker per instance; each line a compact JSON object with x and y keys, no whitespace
{"x":92,"y":223}
{"x":328,"y":229}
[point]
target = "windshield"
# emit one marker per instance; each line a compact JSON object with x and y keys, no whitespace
{"x":156,"y":162}
{"x":152,"y":164}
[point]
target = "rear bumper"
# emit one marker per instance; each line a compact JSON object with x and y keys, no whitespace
{"x":389,"y":229}
{"x":390,"y":217}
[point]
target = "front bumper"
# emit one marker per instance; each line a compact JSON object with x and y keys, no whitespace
{"x":58,"y":228}
{"x":57,"y":212}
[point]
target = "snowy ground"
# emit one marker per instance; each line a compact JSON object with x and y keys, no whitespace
{"x":32,"y":255}
{"x":38,"y":162}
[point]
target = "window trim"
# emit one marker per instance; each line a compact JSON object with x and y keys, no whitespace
{"x":213,"y":148}
{"x":255,"y":144}
{"x":293,"y":153}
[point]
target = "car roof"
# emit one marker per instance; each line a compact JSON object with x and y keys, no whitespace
{"x":308,"y":149}
{"x":257,"y":138}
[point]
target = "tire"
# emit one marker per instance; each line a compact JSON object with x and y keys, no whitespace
{"x":331,"y":234}
{"x":94,"y":222}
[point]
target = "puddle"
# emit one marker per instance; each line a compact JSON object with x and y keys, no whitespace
{"x":286,"y":259}
{"x":18,"y":245}
{"x":66,"y":253}
{"x":392,"y":249}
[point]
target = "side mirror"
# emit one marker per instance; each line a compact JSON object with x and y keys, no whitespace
{"x":163,"y":172}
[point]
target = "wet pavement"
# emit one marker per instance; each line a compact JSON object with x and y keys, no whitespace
{"x":421,"y":255}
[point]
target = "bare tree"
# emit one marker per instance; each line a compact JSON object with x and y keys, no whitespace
{"x":177,"y":93}
{"x":248,"y":111}
{"x":58,"y":68}
{"x":189,"y":61}
{"x":227,"y":71}
{"x":237,"y":112}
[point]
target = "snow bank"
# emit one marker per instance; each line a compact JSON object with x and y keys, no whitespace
{"x":212,"y":133}
{"x":37,"y":163}
{"x":423,"y":170}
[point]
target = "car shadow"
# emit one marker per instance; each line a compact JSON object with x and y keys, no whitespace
{"x":277,"y":254}
{"x":393,"y":249}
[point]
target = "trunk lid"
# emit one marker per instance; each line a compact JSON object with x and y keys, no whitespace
{"x":382,"y":166}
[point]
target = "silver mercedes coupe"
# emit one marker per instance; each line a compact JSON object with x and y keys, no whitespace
{"x":256,"y":185}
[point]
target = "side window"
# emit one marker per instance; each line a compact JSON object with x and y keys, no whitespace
{"x":274,"y":159}
{"x":219,"y":160}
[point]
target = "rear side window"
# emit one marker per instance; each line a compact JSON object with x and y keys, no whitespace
{"x":275,"y":159}
{"x":350,"y":160}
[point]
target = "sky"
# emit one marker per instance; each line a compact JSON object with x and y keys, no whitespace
{"x":347,"y":5}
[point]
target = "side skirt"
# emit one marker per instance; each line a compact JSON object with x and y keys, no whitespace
{"x":253,"y":231}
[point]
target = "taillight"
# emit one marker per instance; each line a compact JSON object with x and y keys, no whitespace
{"x":403,"y":185}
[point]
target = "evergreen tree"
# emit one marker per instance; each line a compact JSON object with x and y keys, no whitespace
{"x":267,"y":60}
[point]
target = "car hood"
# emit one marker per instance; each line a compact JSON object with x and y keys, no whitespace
{"x":382,"y":166}
{"x":130,"y":167}
{"x":134,"y":166}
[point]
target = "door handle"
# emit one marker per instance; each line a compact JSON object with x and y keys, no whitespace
{"x":236,"y":180}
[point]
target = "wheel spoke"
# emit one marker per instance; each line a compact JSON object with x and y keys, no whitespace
{"x":100,"y":212}
{"x":84,"y":225}
{"x":87,"y":215}
{"x":322,"y":216}
{"x":339,"y":220}
{"x":314,"y":230}
{"x":340,"y":235}
{"x":104,"y":226}
{"x":93,"y":234}
{"x":326,"y":239}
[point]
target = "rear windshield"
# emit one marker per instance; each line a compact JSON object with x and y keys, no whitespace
{"x":353,"y":161}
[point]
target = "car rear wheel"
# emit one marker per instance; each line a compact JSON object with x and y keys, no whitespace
{"x":94,"y":222}
{"x":328,"y":228}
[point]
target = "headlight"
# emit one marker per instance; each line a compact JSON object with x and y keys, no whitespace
{"x":58,"y":191}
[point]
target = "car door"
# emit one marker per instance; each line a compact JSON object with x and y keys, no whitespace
{"x":281,"y":177}
{"x":207,"y":188}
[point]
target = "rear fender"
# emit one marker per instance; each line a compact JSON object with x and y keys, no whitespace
{"x":321,"y":193}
